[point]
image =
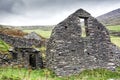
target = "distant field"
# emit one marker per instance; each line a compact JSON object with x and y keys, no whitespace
{"x":114,"y":28}
{"x":115,"y":40}
{"x":44,"y":33}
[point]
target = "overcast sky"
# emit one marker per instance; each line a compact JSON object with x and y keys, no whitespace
{"x":49,"y":12}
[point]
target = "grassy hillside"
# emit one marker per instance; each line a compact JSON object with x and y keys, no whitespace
{"x":12,"y":31}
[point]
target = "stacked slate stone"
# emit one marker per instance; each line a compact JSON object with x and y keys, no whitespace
{"x":33,"y":35}
{"x":27,"y":57}
{"x":20,"y":42}
{"x":4,"y":59}
{"x":68,"y":53}
{"x":23,"y":52}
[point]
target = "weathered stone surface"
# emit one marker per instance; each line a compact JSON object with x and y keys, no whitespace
{"x":68,"y":53}
{"x":27,"y":57}
{"x":32,"y":35}
{"x":4,"y":59}
{"x":20,"y":42}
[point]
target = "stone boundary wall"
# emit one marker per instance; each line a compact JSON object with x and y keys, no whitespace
{"x":20,"y":42}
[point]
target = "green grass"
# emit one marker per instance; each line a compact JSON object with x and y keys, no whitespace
{"x":24,"y":74}
{"x":44,"y":74}
{"x":3,"y":46}
{"x":83,"y":32}
{"x":43,"y":51}
{"x":115,"y":40}
{"x":115,"y":28}
{"x":44,"y":33}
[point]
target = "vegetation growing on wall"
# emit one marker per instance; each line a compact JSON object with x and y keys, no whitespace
{"x":3,"y":46}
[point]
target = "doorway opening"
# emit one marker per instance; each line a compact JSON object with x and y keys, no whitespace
{"x":32,"y":61}
{"x":14,"y":55}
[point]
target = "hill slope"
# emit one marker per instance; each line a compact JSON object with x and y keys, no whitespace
{"x":110,"y":18}
{"x":11,"y":31}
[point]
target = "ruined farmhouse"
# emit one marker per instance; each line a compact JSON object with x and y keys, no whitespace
{"x":70,"y":53}
{"x":22,"y":51}
{"x":26,"y":57}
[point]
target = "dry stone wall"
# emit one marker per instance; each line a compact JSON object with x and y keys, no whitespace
{"x":22,"y":53}
{"x":20,"y":42}
{"x":69,"y":53}
{"x":27,"y":57}
{"x":4,"y":59}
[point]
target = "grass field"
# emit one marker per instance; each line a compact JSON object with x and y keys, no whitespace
{"x":44,"y":74}
{"x":114,"y":28}
{"x":115,"y":39}
{"x":44,"y":33}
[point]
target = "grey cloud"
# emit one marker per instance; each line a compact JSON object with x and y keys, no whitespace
{"x":10,"y":6}
{"x":17,"y":6}
{"x":21,"y":6}
{"x":44,"y":9}
{"x":6,"y":6}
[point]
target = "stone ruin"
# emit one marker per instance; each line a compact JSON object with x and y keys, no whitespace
{"x":23,"y":52}
{"x":26,"y":57}
{"x":33,"y":35}
{"x":20,"y":42}
{"x":69,"y":53}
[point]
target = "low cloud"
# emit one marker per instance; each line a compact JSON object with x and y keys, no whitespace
{"x":47,"y":12}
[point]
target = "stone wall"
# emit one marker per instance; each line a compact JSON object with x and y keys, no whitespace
{"x":4,"y":59}
{"x":20,"y":42}
{"x":69,"y":53}
{"x":22,"y":57}
{"x":27,"y":57}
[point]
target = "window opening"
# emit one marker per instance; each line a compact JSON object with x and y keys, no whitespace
{"x":83,"y":27}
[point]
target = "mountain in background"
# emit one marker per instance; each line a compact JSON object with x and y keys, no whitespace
{"x":110,"y":18}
